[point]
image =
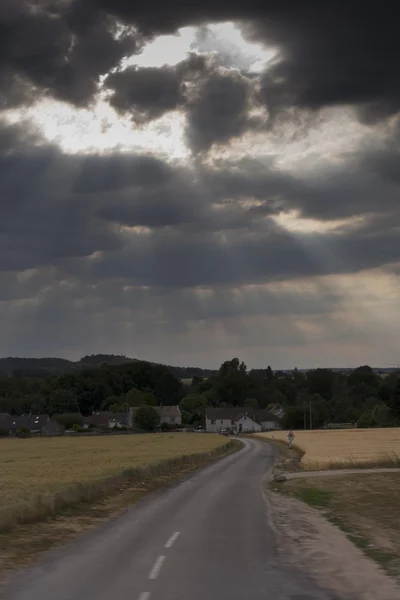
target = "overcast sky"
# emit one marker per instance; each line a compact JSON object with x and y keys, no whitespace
{"x":186,"y":184}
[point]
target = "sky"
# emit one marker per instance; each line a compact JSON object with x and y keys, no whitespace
{"x":185,"y":184}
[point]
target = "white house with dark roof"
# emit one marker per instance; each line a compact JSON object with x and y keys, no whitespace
{"x":240,"y":418}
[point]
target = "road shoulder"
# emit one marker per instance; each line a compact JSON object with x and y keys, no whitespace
{"x":306,"y":539}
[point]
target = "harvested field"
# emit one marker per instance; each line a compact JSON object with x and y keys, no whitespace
{"x":42,"y":476}
{"x":329,"y":449}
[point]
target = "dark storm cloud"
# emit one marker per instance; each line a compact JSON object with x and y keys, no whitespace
{"x":72,"y":269}
{"x":215,"y":100}
{"x":57,"y":208}
{"x":327,"y":54}
{"x":43,"y":51}
{"x":333,"y":53}
{"x":107,"y":173}
{"x":42,"y":220}
{"x":218,"y":111}
{"x":147,"y":93}
{"x":175,"y":260}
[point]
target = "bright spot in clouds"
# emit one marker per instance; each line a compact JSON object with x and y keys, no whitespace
{"x":295,"y":224}
{"x":219,"y":38}
{"x":100,"y":128}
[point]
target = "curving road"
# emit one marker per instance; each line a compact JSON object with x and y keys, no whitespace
{"x":206,"y":539}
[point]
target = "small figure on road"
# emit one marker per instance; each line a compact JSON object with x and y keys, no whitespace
{"x":290,"y":438}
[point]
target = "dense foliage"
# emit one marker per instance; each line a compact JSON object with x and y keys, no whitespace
{"x":147,"y":418}
{"x":40,"y":368}
{"x":360,"y":396}
{"x":321,"y":395}
{"x":104,"y":388}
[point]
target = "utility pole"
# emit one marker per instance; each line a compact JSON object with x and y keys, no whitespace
{"x":310,"y":415}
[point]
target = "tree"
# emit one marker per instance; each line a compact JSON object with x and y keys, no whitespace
{"x":196,"y":381}
{"x":321,"y":381}
{"x":251,"y":402}
{"x":364,"y":375}
{"x":62,"y":401}
{"x":365,"y":420}
{"x":232,"y":366}
{"x":109,"y":401}
{"x":122,"y":407}
{"x":394,"y":403}
{"x":380,"y":415}
{"x":319,"y":410}
{"x":147,"y":418}
{"x":294,"y":417}
{"x":193,"y":408}
{"x":137,"y":397}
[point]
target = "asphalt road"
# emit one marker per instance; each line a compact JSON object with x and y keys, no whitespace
{"x":208,"y":538}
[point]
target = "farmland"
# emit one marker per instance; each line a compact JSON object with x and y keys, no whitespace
{"x":326,"y":449}
{"x":41,"y":476}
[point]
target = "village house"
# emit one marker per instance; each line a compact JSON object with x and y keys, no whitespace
{"x":97,"y":420}
{"x":36,"y":424}
{"x":240,"y":419}
{"x":102,"y":420}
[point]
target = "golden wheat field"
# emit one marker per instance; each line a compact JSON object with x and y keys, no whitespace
{"x":38,"y":473}
{"x":346,"y":447}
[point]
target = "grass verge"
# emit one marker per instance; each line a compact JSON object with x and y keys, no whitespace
{"x":20,"y":546}
{"x":287,"y":459}
{"x":363,"y":506}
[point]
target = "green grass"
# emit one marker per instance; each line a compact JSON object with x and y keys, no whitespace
{"x":315,"y":497}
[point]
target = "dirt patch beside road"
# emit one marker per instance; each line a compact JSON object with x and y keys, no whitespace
{"x":308,"y":540}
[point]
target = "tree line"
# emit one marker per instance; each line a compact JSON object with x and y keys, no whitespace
{"x":322,"y":395}
{"x":317,"y":397}
{"x":105,"y":388}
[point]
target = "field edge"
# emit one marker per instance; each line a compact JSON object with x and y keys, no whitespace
{"x":52,"y":505}
{"x":21,"y":545}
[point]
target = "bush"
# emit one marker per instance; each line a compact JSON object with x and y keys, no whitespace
{"x":68,"y":420}
{"x":3,"y":432}
{"x":147,"y":418}
{"x":23,"y":432}
{"x":169,"y":427}
{"x":76,"y":427}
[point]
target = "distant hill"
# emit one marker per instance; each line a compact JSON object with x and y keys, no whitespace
{"x":46,"y":367}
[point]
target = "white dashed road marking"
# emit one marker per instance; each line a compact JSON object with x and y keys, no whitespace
{"x":172,"y":539}
{"x":144,"y":596}
{"x":157,"y":567}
